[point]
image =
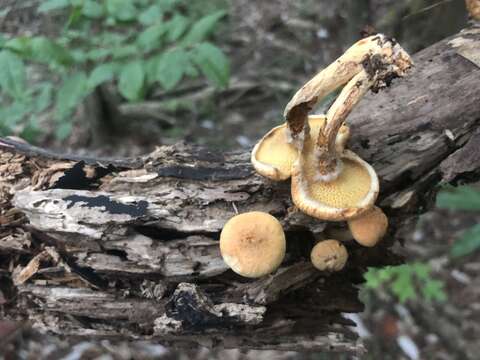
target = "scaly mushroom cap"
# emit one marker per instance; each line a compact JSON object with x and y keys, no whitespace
{"x":369,"y":228}
{"x":273,"y":156}
{"x":253,"y":244}
{"x":329,"y":255}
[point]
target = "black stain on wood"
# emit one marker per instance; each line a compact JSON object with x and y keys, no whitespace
{"x":74,"y":178}
{"x":77,"y":179}
{"x":191,"y":308}
{"x":204,"y":173}
{"x":113,"y":207}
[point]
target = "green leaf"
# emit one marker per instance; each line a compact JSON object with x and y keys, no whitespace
{"x":110,"y":39}
{"x":434,"y":290}
{"x":101,"y":74}
{"x":44,"y":97}
{"x":70,"y":94}
{"x":372,"y":279}
{"x":53,"y":5}
{"x":12,"y":75}
{"x":203,"y":27}
{"x":92,"y":9}
{"x":171,"y":67}
{"x":131,"y":79}
{"x":12,"y":114}
{"x":460,"y":198}
{"x":123,"y":10}
{"x":149,"y":39}
{"x":124,"y":51}
{"x":20,"y":45}
{"x":47,"y":51}
{"x":213,"y":63}
{"x":168,"y":5}
{"x":151,"y":15}
{"x":176,"y":27}
{"x":468,"y":243}
{"x":403,"y":287}
{"x":98,"y":54}
{"x":79,"y":56}
{"x":151,"y":65}
{"x":386,"y":273}
{"x":422,"y":271}
{"x":75,"y":15}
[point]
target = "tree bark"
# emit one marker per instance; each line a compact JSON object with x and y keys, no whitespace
{"x":128,"y":248}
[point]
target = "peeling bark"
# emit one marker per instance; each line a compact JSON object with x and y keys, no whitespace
{"x":128,"y":248}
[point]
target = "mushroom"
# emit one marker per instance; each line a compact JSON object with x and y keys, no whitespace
{"x":253,"y":244}
{"x":369,"y":228}
{"x":273,"y":156}
{"x":327,"y":183}
{"x":329,"y":255}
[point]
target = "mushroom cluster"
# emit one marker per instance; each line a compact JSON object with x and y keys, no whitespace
{"x":328,"y":181}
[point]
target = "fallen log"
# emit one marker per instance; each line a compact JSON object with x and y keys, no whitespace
{"x":128,"y":248}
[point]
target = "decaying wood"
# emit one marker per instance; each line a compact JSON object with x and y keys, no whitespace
{"x":128,"y":249}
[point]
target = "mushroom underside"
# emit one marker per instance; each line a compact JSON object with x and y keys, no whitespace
{"x":273,"y":156}
{"x":352,"y":193}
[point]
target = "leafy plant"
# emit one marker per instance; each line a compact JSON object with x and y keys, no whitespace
{"x":467,"y":199}
{"x":138,"y":44}
{"x":406,"y":282}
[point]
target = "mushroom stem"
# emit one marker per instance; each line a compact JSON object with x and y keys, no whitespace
{"x":377,"y":72}
{"x":329,"y":163}
{"x":337,"y":74}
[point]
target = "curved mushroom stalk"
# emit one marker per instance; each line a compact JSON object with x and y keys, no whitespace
{"x":337,"y":74}
{"x":332,"y":185}
{"x":273,"y":156}
{"x":329,"y":164}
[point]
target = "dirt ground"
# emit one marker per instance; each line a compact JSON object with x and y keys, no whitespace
{"x":275,"y":47}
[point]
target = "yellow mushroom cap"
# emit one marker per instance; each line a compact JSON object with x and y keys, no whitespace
{"x":273,"y":156}
{"x":329,"y":255}
{"x":353,"y":192}
{"x":253,"y":244}
{"x":369,"y":228}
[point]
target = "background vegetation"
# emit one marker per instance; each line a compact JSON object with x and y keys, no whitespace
{"x":121,"y":76}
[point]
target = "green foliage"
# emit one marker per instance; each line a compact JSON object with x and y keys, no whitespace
{"x":459,"y":198}
{"x":407,"y":282}
{"x":468,"y":242}
{"x":467,"y":199}
{"x":137,"y":44}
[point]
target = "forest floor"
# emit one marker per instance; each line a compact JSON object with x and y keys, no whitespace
{"x":274,"y":47}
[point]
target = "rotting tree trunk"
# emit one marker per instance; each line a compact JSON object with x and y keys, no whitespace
{"x":128,"y":249}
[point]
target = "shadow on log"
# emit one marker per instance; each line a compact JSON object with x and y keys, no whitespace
{"x":128,"y":249}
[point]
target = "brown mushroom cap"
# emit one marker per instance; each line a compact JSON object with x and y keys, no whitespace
{"x":253,"y":244}
{"x":353,"y":192}
{"x":329,"y":255}
{"x":369,"y":228}
{"x":273,"y":156}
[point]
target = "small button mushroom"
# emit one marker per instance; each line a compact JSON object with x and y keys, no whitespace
{"x":253,"y":244}
{"x":369,"y":228}
{"x":329,"y":255}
